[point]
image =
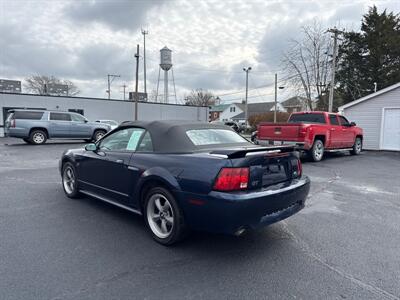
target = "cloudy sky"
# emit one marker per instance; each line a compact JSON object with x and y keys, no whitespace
{"x":212,"y":41}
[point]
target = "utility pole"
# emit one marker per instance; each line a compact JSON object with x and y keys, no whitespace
{"x":137,"y":83}
{"x":276,"y":96}
{"x":247,"y":91}
{"x":112,"y":76}
{"x":124,"y":87}
{"x":144,"y":32}
{"x":335,"y":36}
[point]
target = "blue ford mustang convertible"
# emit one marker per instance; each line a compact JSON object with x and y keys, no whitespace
{"x":183,"y":176}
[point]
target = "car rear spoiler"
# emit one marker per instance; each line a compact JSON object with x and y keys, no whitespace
{"x":243,"y":152}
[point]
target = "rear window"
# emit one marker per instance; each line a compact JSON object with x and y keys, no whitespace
{"x":209,"y":136}
{"x":27,"y":115}
{"x":307,"y":118}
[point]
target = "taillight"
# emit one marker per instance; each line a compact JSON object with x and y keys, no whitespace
{"x":12,"y":124}
{"x":302,"y":131}
{"x":296,"y":168}
{"x":232,"y":179}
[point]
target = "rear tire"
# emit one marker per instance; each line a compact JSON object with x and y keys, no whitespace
{"x":317,"y":151}
{"x":98,"y":134}
{"x":38,"y":137}
{"x":357,"y":147}
{"x":70,"y":180}
{"x":163,"y":217}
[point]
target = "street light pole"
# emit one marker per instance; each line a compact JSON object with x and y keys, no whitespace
{"x":137,"y":83}
{"x":247,"y":91}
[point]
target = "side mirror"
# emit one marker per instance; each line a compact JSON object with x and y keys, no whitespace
{"x":91,"y":147}
{"x":352,"y":124}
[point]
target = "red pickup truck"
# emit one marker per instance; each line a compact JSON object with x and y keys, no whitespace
{"x":314,"y":132}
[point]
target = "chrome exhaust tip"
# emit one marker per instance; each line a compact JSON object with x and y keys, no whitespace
{"x":240,"y":231}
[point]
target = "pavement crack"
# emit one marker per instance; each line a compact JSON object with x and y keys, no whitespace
{"x":310,"y":253}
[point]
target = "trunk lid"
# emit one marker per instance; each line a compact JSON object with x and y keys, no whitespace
{"x":267,"y":165}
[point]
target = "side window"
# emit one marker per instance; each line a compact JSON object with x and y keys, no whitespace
{"x":77,"y":118}
{"x":146,"y":145}
{"x":28,"y":115}
{"x":333,"y":119}
{"x":122,"y":140}
{"x":343,"y":121}
{"x":60,"y":117}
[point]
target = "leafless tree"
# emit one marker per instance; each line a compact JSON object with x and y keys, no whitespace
{"x":307,"y":63}
{"x":37,"y":84}
{"x":200,"y":97}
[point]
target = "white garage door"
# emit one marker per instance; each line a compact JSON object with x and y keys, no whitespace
{"x":391,"y":129}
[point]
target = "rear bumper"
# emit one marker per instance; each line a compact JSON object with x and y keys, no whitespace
{"x":298,"y":145}
{"x":16,"y":132}
{"x":228,"y":212}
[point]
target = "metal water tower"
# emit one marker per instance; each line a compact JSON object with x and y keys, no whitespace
{"x":166,"y":65}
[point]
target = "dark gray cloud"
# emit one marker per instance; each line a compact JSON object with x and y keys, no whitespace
{"x":22,"y":55}
{"x":118,"y":15}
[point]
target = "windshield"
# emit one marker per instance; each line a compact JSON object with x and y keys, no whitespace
{"x":307,"y":118}
{"x":209,"y":136}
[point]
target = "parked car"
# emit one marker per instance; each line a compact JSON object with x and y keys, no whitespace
{"x":36,"y":126}
{"x":314,"y":132}
{"x":231,"y":124}
{"x":183,"y":176}
{"x":113,"y":124}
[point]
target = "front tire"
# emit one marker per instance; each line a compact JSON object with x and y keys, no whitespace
{"x":98,"y":134}
{"x":163,"y":217}
{"x":70,"y":180}
{"x":317,"y":151}
{"x":357,"y":147}
{"x":38,"y":137}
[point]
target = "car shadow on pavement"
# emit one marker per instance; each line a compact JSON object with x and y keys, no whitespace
{"x":196,"y":243}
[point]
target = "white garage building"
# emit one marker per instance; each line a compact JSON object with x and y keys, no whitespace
{"x":378,"y":114}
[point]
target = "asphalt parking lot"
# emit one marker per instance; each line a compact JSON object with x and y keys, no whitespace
{"x":344,"y":245}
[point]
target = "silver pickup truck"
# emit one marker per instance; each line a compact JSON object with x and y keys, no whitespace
{"x":36,"y":126}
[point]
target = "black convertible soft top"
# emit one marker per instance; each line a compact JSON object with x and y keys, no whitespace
{"x":170,"y":136}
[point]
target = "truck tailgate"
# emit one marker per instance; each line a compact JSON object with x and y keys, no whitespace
{"x":279,"y":131}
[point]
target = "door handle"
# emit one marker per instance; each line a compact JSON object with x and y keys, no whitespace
{"x":119,"y":161}
{"x":333,"y":129}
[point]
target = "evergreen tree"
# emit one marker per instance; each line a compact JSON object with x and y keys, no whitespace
{"x":369,"y":56}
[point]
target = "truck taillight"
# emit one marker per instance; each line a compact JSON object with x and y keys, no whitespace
{"x":12,"y":124}
{"x":232,"y":179}
{"x":302,"y":131}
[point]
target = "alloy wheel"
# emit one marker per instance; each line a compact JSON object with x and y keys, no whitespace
{"x":319,"y":150}
{"x":69,"y":180}
{"x":38,"y":138}
{"x":99,"y":135}
{"x":160,"y":215}
{"x":358,"y":146}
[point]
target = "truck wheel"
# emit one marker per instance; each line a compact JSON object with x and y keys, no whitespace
{"x":163,"y":217}
{"x":357,"y":147}
{"x":317,"y":150}
{"x":98,"y":134}
{"x":38,"y":137}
